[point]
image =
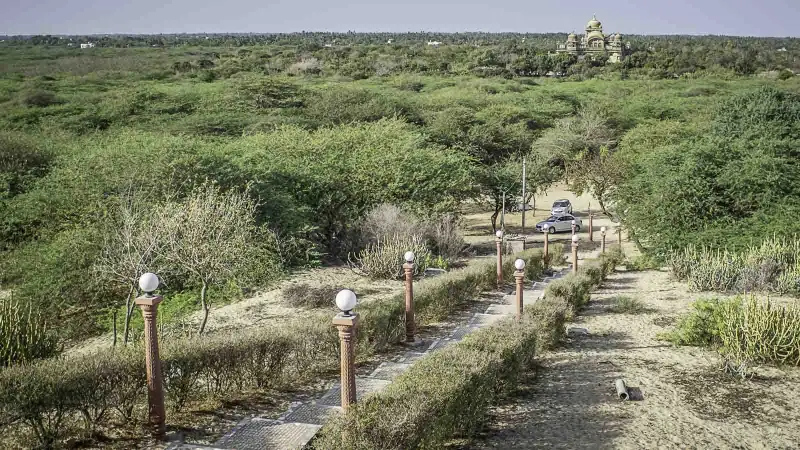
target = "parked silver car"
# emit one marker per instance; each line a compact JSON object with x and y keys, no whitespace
{"x":561,"y":207}
{"x":559,"y":223}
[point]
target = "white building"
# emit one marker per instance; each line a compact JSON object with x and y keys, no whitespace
{"x":434,"y":43}
{"x":88,"y":45}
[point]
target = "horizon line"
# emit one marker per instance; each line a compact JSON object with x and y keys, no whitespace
{"x":268,"y":33}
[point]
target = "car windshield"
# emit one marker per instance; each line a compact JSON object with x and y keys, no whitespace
{"x":560,"y":204}
{"x":551,"y":219}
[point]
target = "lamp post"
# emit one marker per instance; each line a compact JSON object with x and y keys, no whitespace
{"x":591,"y":237}
{"x":574,"y":253}
{"x":155,"y":390}
{"x":408,"y":268}
{"x":346,"y":323}
{"x":519,"y":275}
{"x":546,"y":229}
{"x":499,"y":241}
{"x":602,"y":239}
{"x":573,"y":227}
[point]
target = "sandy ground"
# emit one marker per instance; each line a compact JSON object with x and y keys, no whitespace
{"x":682,"y":399}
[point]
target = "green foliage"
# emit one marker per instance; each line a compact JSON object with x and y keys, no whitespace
{"x":642,"y":262}
{"x":769,"y":266}
{"x":45,"y":396}
{"x":24,"y":334}
{"x":441,"y":396}
{"x":720,"y":187}
{"x":701,"y":327}
{"x":22,"y":161}
{"x":384,"y":259}
{"x":623,"y":304}
{"x":40,"y":99}
{"x":745,"y":331}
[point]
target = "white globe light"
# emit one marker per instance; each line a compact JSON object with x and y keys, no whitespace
{"x":573,"y":222}
{"x":409,"y":257}
{"x":603,"y":229}
{"x":519,"y":264}
{"x":575,"y":238}
{"x":346,"y":300}
{"x":148,"y":282}
{"x":545,"y":226}
{"x":499,"y":233}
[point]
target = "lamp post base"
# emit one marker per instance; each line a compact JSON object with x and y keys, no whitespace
{"x":416,"y":343}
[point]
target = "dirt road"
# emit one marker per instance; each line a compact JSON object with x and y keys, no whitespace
{"x":683,"y":399}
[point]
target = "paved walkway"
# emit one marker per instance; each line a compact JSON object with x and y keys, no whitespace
{"x":297,"y":426}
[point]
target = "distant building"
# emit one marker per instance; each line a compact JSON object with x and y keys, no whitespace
{"x":88,"y":45}
{"x":594,"y":42}
{"x":390,"y":41}
{"x":434,"y":43}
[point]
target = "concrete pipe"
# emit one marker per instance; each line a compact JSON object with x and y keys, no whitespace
{"x":622,"y":390}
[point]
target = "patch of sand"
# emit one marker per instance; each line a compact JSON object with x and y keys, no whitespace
{"x":686,"y":401}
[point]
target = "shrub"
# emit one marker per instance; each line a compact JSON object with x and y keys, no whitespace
{"x":573,"y":288}
{"x":306,"y":296}
{"x":624,"y":304}
{"x":700,"y":327}
{"x":759,"y":332}
{"x":556,"y":254}
{"x":384,"y":259}
{"x":765,"y":267}
{"x":24,"y":334}
{"x":447,"y":238}
{"x":40,"y":99}
{"x":386,"y":221}
{"x":549,"y":317}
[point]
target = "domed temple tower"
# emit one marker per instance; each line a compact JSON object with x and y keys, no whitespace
{"x":594,"y":42}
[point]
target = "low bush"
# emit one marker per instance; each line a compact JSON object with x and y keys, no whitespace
{"x":556,"y":256}
{"x":698,"y":328}
{"x":769,"y":266}
{"x":40,"y":99}
{"x":384,"y":259}
{"x":743,"y":330}
{"x":51,"y":397}
{"x":573,"y":288}
{"x":623,"y":304}
{"x":442,"y":396}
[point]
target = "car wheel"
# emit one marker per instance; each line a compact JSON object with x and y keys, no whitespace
{"x":577,"y":228}
{"x":552,"y":230}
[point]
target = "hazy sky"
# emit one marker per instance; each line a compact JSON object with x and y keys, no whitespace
{"x":731,"y":17}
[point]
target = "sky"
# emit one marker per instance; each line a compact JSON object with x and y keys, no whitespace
{"x":728,"y":17}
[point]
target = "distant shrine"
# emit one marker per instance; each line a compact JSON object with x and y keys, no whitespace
{"x":594,"y":42}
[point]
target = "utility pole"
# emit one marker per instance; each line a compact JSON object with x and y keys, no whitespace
{"x":524,"y":203}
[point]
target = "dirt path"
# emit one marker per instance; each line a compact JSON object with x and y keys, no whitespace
{"x":686,"y":402}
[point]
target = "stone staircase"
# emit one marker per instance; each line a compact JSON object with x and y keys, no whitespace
{"x":297,"y":426}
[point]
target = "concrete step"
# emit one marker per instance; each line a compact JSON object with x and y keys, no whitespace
{"x":310,"y":412}
{"x":482,"y":320}
{"x":505,"y":309}
{"x":259,"y":434}
{"x":389,"y":370}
